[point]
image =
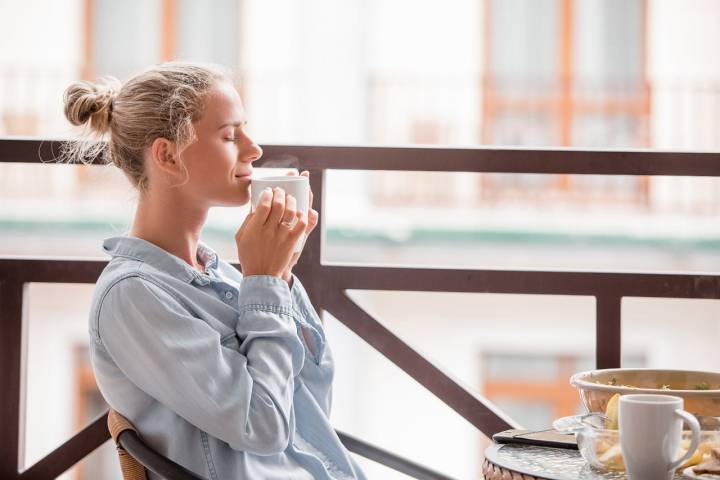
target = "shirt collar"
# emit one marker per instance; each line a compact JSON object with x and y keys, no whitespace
{"x":207,"y":257}
{"x":144,"y":251}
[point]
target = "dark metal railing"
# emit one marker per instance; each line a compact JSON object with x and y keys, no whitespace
{"x":327,"y":284}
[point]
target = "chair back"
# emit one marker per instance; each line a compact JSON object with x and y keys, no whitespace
{"x":131,"y":468}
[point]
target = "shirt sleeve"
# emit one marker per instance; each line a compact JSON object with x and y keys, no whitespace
{"x":241,"y":396}
{"x":318,"y":371}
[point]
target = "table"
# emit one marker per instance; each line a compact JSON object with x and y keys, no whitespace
{"x":513,"y":461}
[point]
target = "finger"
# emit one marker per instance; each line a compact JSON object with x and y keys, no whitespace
{"x":292,"y":172}
{"x":262,"y":210}
{"x":300,"y":226}
{"x":277,"y":207}
{"x":290,"y":209}
{"x":313,"y":218}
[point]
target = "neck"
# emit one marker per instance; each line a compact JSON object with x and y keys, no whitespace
{"x":168,"y":221}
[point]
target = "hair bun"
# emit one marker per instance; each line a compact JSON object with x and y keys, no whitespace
{"x":91,"y":102}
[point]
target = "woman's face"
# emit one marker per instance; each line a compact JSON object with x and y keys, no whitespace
{"x":219,"y":161}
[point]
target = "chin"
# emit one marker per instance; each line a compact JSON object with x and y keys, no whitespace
{"x":230,"y":201}
{"x":243,"y":200}
{"x":233,"y":203}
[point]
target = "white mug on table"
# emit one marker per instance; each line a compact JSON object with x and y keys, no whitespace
{"x":296,"y":185}
{"x":650,"y":434}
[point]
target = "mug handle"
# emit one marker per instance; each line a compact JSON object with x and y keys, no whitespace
{"x":695,"y":427}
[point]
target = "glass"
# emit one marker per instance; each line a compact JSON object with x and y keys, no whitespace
{"x":208,"y":31}
{"x":531,"y":415}
{"x":607,"y":46}
{"x":523,"y":367}
{"x":598,"y":130}
{"x":527,"y":127}
{"x":524,"y":43}
{"x":125,"y":37}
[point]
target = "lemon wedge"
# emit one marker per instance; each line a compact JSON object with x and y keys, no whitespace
{"x":611,"y":412}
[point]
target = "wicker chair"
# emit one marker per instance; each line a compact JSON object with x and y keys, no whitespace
{"x":135,"y":456}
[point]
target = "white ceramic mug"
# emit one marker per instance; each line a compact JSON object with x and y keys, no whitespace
{"x":296,"y":185}
{"x":650,"y":433}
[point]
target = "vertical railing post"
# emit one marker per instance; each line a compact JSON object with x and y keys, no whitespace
{"x":11,"y":353}
{"x":608,"y":326}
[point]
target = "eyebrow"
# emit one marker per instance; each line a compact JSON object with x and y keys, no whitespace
{"x":233,"y":124}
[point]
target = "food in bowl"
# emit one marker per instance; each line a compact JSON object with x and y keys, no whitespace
{"x":600,"y":391}
{"x":600,"y":446}
{"x":699,"y":390}
{"x":710,"y":465}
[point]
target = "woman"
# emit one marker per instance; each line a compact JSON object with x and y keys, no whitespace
{"x":226,"y":373}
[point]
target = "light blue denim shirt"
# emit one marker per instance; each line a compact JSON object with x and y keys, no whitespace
{"x":228,"y":376}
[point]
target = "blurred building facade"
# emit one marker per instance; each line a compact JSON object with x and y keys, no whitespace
{"x":536,"y":73}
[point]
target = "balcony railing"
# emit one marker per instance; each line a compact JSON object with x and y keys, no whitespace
{"x":327,"y":284}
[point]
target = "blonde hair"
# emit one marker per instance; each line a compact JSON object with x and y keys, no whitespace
{"x":162,"y":102}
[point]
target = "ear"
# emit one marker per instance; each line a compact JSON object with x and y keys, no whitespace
{"x":164,"y":157}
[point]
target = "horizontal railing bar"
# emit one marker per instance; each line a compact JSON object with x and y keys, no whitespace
{"x":356,"y":277}
{"x":389,"y":459}
{"x":504,"y":160}
{"x":51,"y":270}
{"x":473,"y":408}
{"x":522,"y":281}
{"x":70,"y":452}
{"x":443,"y":159}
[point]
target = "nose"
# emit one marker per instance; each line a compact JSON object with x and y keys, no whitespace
{"x":252,"y":153}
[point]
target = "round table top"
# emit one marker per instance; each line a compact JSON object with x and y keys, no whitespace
{"x":547,"y":463}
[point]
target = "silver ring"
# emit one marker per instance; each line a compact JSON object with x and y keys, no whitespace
{"x":287,"y":224}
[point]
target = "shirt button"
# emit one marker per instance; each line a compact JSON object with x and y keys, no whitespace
{"x":229,"y":295}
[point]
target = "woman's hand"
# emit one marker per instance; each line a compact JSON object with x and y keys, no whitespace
{"x":267,"y":238}
{"x":312,"y":221}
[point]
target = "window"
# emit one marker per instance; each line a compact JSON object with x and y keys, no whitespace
{"x":534,"y":389}
{"x":566,"y":73}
